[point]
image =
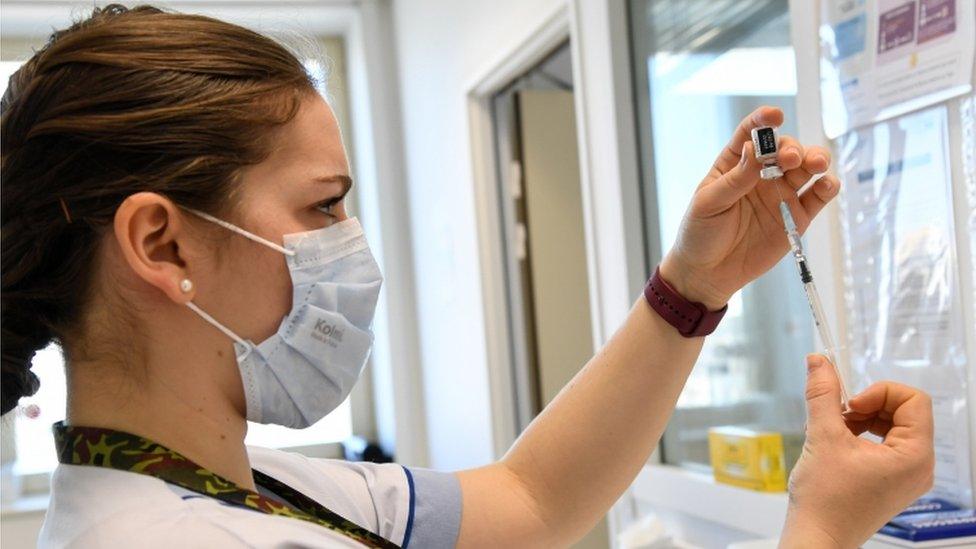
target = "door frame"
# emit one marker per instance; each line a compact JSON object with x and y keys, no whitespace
{"x":608,"y":178}
{"x":610,"y":186}
{"x":499,"y":343}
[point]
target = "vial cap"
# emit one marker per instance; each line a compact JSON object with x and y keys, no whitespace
{"x":771,"y":172}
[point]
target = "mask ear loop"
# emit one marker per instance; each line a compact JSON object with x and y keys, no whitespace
{"x":234,"y":228}
{"x":213,"y":322}
{"x":240,"y":231}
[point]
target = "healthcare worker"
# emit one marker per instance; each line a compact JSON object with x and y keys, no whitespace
{"x":173,"y":216}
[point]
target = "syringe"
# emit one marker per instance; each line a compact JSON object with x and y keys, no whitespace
{"x":813,"y":297}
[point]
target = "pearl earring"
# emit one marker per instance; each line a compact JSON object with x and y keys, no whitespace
{"x":186,"y":285}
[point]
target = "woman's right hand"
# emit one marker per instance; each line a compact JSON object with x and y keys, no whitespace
{"x":844,"y":488}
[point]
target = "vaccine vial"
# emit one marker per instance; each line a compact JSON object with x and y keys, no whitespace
{"x":764,"y":141}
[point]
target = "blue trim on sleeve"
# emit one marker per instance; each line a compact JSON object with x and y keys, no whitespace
{"x":434,"y":520}
{"x":413,"y":505}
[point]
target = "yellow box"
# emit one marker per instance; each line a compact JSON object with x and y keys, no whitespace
{"x":748,"y":458}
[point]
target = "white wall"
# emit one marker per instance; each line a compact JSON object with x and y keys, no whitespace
{"x":441,"y":45}
{"x":21,"y":528}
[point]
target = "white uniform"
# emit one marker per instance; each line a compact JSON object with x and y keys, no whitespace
{"x":103,"y":507}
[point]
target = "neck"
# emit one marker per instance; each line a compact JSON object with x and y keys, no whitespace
{"x":173,"y":398}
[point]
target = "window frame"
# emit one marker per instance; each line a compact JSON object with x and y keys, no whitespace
{"x":642,"y":41}
{"x":679,"y":492}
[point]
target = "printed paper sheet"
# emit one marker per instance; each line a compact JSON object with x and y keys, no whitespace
{"x":885,"y":58}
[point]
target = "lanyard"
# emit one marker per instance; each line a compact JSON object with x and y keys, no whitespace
{"x":127,"y":452}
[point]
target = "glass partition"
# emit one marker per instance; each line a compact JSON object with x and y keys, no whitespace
{"x":700,"y":66}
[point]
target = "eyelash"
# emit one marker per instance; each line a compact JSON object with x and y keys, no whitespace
{"x":327,"y":205}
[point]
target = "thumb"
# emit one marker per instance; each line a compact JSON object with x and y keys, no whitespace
{"x":724,"y":191}
{"x":823,"y":394}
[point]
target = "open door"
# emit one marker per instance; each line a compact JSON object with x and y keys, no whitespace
{"x":542,"y":219}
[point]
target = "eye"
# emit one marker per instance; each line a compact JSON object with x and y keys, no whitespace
{"x":328,"y":206}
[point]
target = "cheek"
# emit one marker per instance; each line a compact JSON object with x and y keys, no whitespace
{"x":258,"y":291}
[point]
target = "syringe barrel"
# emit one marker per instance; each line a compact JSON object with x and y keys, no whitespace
{"x":813,"y":297}
{"x":820,"y":319}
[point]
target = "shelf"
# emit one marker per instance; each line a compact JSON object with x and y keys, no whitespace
{"x":698,"y":495}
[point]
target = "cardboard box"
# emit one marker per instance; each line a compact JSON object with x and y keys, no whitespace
{"x":749,"y":458}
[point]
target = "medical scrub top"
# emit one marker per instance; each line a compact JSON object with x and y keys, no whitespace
{"x":115,"y":489}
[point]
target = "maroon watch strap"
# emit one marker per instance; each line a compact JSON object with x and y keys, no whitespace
{"x":692,"y":319}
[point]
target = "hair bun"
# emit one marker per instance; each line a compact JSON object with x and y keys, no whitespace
{"x":16,"y":378}
{"x":12,"y":91}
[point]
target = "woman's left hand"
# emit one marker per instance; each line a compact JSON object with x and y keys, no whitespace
{"x":844,"y":488}
{"x":733,"y":232}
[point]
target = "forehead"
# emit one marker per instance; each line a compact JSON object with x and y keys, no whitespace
{"x":308,"y":146}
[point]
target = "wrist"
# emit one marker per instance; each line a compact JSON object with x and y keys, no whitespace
{"x":691,"y":287}
{"x":802,"y":534}
{"x":690,"y":318}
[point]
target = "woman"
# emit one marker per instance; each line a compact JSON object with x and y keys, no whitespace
{"x":173,"y":216}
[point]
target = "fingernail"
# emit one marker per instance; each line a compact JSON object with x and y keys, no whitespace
{"x":813,"y":360}
{"x":743,"y":157}
{"x":820,"y":158}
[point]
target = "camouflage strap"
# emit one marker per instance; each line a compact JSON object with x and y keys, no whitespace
{"x":127,"y":452}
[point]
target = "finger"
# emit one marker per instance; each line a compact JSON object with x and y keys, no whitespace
{"x":823,"y":395}
{"x":797,"y":178}
{"x":854,"y":415}
{"x":816,"y":197}
{"x":791,"y":153}
{"x":721,"y":193}
{"x":887,"y":399}
{"x":763,"y":116}
{"x":816,"y":160}
{"x":910,"y":409}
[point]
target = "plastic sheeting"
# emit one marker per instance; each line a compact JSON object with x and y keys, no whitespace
{"x":901,"y":286}
{"x":967,"y":110}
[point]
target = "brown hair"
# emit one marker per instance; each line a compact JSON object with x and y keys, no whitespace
{"x":126,"y":100}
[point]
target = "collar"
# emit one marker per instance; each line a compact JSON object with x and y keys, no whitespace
{"x":101,"y":447}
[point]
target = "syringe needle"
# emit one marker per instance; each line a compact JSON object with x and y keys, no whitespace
{"x":813,"y":297}
{"x":792,"y":233}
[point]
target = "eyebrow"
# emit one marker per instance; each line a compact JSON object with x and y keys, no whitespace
{"x":345,"y":180}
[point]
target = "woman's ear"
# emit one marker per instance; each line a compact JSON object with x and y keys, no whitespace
{"x":148,"y":228}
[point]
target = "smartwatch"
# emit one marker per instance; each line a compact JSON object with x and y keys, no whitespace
{"x":690,"y":318}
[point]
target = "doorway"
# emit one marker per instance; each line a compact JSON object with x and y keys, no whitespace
{"x":544,"y":249}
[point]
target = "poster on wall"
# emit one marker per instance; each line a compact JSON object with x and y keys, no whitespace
{"x":885,"y":58}
{"x":901,"y":279}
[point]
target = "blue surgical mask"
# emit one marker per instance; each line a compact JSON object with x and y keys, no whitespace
{"x":306,"y":369}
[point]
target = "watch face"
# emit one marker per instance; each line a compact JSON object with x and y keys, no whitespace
{"x":766,"y":139}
